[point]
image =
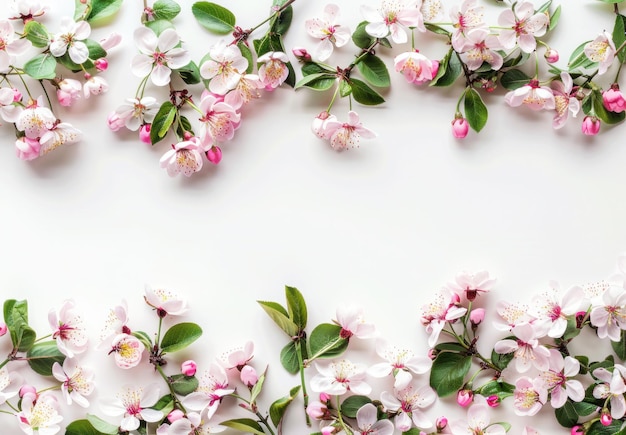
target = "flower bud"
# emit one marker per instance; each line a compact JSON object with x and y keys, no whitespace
{"x":460,"y":127}
{"x":17,"y":95}
{"x":577,"y":430}
{"x":248,"y":376}
{"x":493,"y":401}
{"x":606,"y":418}
{"x":3,"y":329}
{"x":591,"y":125}
{"x":465,"y":397}
{"x":477,"y":316}
{"x":613,"y":100}
{"x":317,"y":410}
{"x":441,"y":423}
{"x":432,"y":354}
{"x":325,"y":398}
{"x":27,"y":389}
{"x":176,"y":414}
{"x":188,"y":368}
{"x":551,"y":55}
{"x":115,"y":122}
{"x":301,"y":54}
{"x":144,"y":134}
{"x":101,"y":64}
{"x":214,"y":155}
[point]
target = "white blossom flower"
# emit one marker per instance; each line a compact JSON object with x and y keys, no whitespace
{"x":609,"y":315}
{"x":528,"y":352}
{"x":212,"y":388}
{"x":10,"y":45}
{"x":60,"y":134}
{"x":10,"y":383}
{"x":328,"y":32}
{"x":68,"y":329}
{"x":39,"y":413}
{"x":368,"y":423}
{"x":408,"y":403}
{"x":134,"y":404}
{"x":612,"y":388}
{"x":393,"y":17}
{"x":350,"y":318}
{"x":35,"y":119}
{"x":601,"y":50}
{"x":127,"y":350}
{"x":399,"y":362}
{"x":478,"y":422}
{"x":70,"y":39}
{"x":337,"y":377}
{"x":158,"y":55}
{"x":224,"y":67}
{"x":165,"y":301}
{"x":77,"y":381}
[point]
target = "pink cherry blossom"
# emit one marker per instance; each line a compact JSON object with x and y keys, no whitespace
{"x":465,"y":17}
{"x":137,"y":112}
{"x":477,"y":315}
{"x":9,"y":111}
{"x":27,"y":10}
{"x":158,"y":55}
{"x":185,"y":157}
{"x":39,"y":414}
{"x":347,"y":134}
{"x":68,"y":329}
{"x":552,"y":309}
{"x":318,"y":410}
{"x":393,"y":17}
{"x":248,"y":376}
{"x":601,"y":50}
{"x":368,"y":423}
{"x":94,"y":85}
{"x":10,"y":384}
{"x":35,"y":119}
{"x":408,"y":403}
{"x":529,"y":396}
{"x":470,"y":285}
{"x":609,"y":315}
{"x":115,"y":323}
{"x":612,"y":388}
{"x":214,"y":155}
{"x":590,"y":126}
{"x":166,"y":302}
{"x":551,"y":55}
{"x":464,"y":397}
{"x":245,"y":90}
{"x":338,"y":377}
{"x":399,"y":362}
{"x":436,"y":314}
{"x":111,"y":41}
{"x":521,"y":26}
{"x":224,"y":67}
{"x":192,"y":423}
{"x":238,"y":357}
{"x":77,"y":381}
{"x":328,"y":32}
{"x":352,"y":323}
{"x":528,"y":352}
{"x":188,"y":368}
{"x":512,"y":314}
{"x":478,"y":422}
{"x":134,"y":404}
{"x":318,"y":126}
{"x":10,"y":45}
{"x":212,"y":388}
{"x":565,"y":101}
{"x":460,"y":127}
{"x":60,"y":134}
{"x":219,"y":122}
{"x":144,"y":134}
{"x":613,"y":99}
{"x":71,"y":40}
{"x":274,"y":70}
{"x":68,"y":91}
{"x":532,"y":95}
{"x":559,"y":382}
{"x":127,"y":350}
{"x":416,"y":67}
{"x":27,"y":149}
{"x":479,"y":46}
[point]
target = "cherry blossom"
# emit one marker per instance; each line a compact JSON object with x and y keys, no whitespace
{"x":35,"y":119}
{"x":416,"y":67}
{"x":470,"y":285}
{"x":435,"y":315}
{"x":39,"y":413}
{"x":399,"y":362}
{"x":338,"y":377}
{"x":212,"y":388}
{"x":512,"y":314}
{"x":565,"y":101}
{"x":552,"y":309}
{"x":408,"y":403}
{"x":61,"y":133}
{"x":70,"y":39}
{"x":27,"y":10}
{"x":166,"y":302}
{"x":393,"y":17}
{"x":9,"y":111}
{"x":319,"y":124}
{"x":532,"y":95}
{"x":601,"y":50}
{"x":558,"y":379}
{"x":238,"y":357}
{"x":274,"y":70}
{"x":94,"y":85}
{"x":184,"y":157}
{"x":68,"y":91}
{"x":127,"y":350}
{"x":115,"y":323}
{"x":347,"y":134}
{"x":10,"y":45}
{"x":609,"y":316}
{"x":158,"y":55}
{"x":10,"y":383}
{"x":219,"y":122}
{"x":591,"y":125}
{"x":77,"y":381}
{"x":368,"y":423}
{"x":465,"y":17}
{"x":612,"y":388}
{"x":134,"y":403}
{"x":192,"y":423}
{"x":69,"y":329}
{"x":529,"y":396}
{"x":460,"y":127}
{"x":521,"y":26}
{"x":245,"y":90}
{"x":328,"y":32}
{"x":137,"y":112}
{"x":27,"y":149}
{"x":479,"y":46}
{"x":528,"y":352}
{"x":350,"y":318}
{"x":224,"y":67}
{"x":478,"y":422}
{"x":613,"y":99}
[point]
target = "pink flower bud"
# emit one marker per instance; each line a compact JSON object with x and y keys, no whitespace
{"x":551,"y":55}
{"x":613,"y":100}
{"x":591,"y":125}
{"x":317,"y":410}
{"x":577,"y":430}
{"x":115,"y":122}
{"x":606,"y":418}
{"x":441,"y":423}
{"x":465,"y":397}
{"x":101,"y":64}
{"x":144,"y":134}
{"x":248,"y":376}
{"x":325,"y":397}
{"x":27,"y":389}
{"x":434,"y":68}
{"x":188,"y":368}
{"x":110,"y":41}
{"x":214,"y":155}
{"x":301,"y":54}
{"x":176,"y":414}
{"x":493,"y":401}
{"x":477,"y":316}
{"x":27,"y":149}
{"x":3,"y":329}
{"x":17,"y":95}
{"x":460,"y":127}
{"x":432,"y":354}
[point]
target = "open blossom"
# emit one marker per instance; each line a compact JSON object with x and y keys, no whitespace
{"x":318,"y":126}
{"x":465,"y":17}
{"x":70,"y":39}
{"x":402,"y":363}
{"x":60,"y":134}
{"x":609,"y":315}
{"x":115,"y":323}
{"x":192,"y":423}
{"x":68,"y":329}
{"x":136,"y":112}
{"x":559,"y":382}
{"x":527,"y":352}
{"x":10,"y":383}
{"x":224,"y":67}
{"x":10,"y":45}
{"x":601,"y":50}
{"x":35,"y":119}
{"x":529,"y":396}
{"x":134,"y":403}
{"x":478,"y":422}
{"x":212,"y":388}
{"x":94,"y":85}
{"x":245,"y":90}
{"x":165,"y":301}
{"x":351,"y":320}
{"x":344,"y":135}
{"x":9,"y":111}
{"x":127,"y":350}
{"x":274,"y":70}
{"x":368,"y":423}
{"x":408,"y":403}
{"x":479,"y":46}
{"x":219,"y":122}
{"x":416,"y":67}
{"x":552,"y":309}
{"x":532,"y":95}
{"x":470,"y":285}
{"x":565,"y":101}
{"x":393,"y":17}
{"x":158,"y":55}
{"x":612,"y":388}
{"x":27,"y":10}
{"x":521,"y":25}
{"x":185,"y":157}
{"x":68,"y":91}
{"x":77,"y":381}
{"x":511,"y":315}
{"x":435,"y":315}
{"x":338,"y":377}
{"x":39,"y":413}
{"x":328,"y":32}
{"x":238,"y":357}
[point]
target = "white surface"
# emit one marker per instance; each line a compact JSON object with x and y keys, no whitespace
{"x":383,"y":226}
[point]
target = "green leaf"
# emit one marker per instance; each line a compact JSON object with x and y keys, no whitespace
{"x":16,"y":318}
{"x":144,"y":338}
{"x":566,"y":415}
{"x":344,"y":88}
{"x":619,"y":347}
{"x":158,"y":26}
{"x":190,"y":73}
{"x":102,"y":426}
{"x":314,"y":68}
{"x":165,"y":404}
{"x":183,"y":126}
{"x":450,"y":69}
{"x":619,"y":35}
{"x":43,"y":355}
{"x":448,"y":372}
{"x":584,"y":363}
{"x":595,"y":101}
{"x":103,"y":9}
{"x":360,"y":37}
{"x":374,"y":71}
{"x":296,"y":306}
{"x":584,"y":408}
{"x":247,"y":53}
{"x":611,"y":1}
{"x":258,"y":387}
{"x":544,"y":7}
{"x":37,"y":34}
{"x":325,"y":341}
{"x":280,"y":316}
{"x":165,"y":9}
{"x":84,"y":427}
{"x":363,"y":94}
{"x":80,"y":9}
{"x":450,"y":347}
{"x":213,"y":17}
{"x":162,"y":121}
{"x":244,"y":425}
{"x":437,"y":29}
{"x":513,"y":79}
{"x":317,"y":81}
{"x":182,"y":384}
{"x":501,"y":360}
{"x":579,"y":59}
{"x":615,"y":428}
{"x":475,"y":110}
{"x":280,"y":24}
{"x":501,"y":389}
{"x":554,"y":18}
{"x":279,"y":407}
{"x":352,"y":404}
{"x":42,"y":66}
{"x":289,"y":358}
{"x":180,"y":336}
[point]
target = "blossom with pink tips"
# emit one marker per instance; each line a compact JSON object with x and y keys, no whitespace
{"x":94,"y":85}
{"x":185,"y":157}
{"x":559,"y":379}
{"x":612,"y":389}
{"x":465,"y":17}
{"x":71,"y":40}
{"x":565,"y":101}
{"x":10,"y":384}
{"x":601,"y":50}
{"x":511,"y":314}
{"x":338,"y":377}
{"x":345,"y":135}
{"x":219,"y":122}
{"x":40,"y":414}
{"x":352,"y":323}
{"x":9,"y":111}
{"x":68,"y":91}
{"x":393,"y":18}
{"x":328,"y":32}
{"x":436,"y":314}
{"x":136,"y":112}
{"x":318,"y":126}
{"x":529,"y":396}
{"x":212,"y":388}
{"x":127,"y":350}
{"x":317,"y":410}
{"x":244,"y":91}
{"x":609,"y":314}
{"x":480,"y":46}
{"x":10,"y":45}
{"x":159,"y":55}
{"x":35,"y":119}
{"x":465,"y":397}
{"x":460,"y":127}
{"x":27,"y":10}
{"x":408,"y":403}
{"x":115,"y":323}
{"x":238,"y":357}
{"x":274,"y":70}
{"x":224,"y":67}
{"x":165,"y":302}
{"x":552,"y":309}
{"x":551,"y":55}
{"x":248,"y":376}
{"x":532,"y":95}
{"x":527,"y":351}
{"x":192,"y":423}
{"x":478,"y":422}
{"x":368,"y":424}
{"x":470,"y":285}
{"x":399,"y":362}
{"x":521,"y":26}
{"x":68,"y":329}
{"x":416,"y":67}
{"x":77,"y":381}
{"x":134,"y":404}
{"x":110,"y":41}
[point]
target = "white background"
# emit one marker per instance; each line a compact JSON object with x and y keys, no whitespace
{"x":383,"y":226}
